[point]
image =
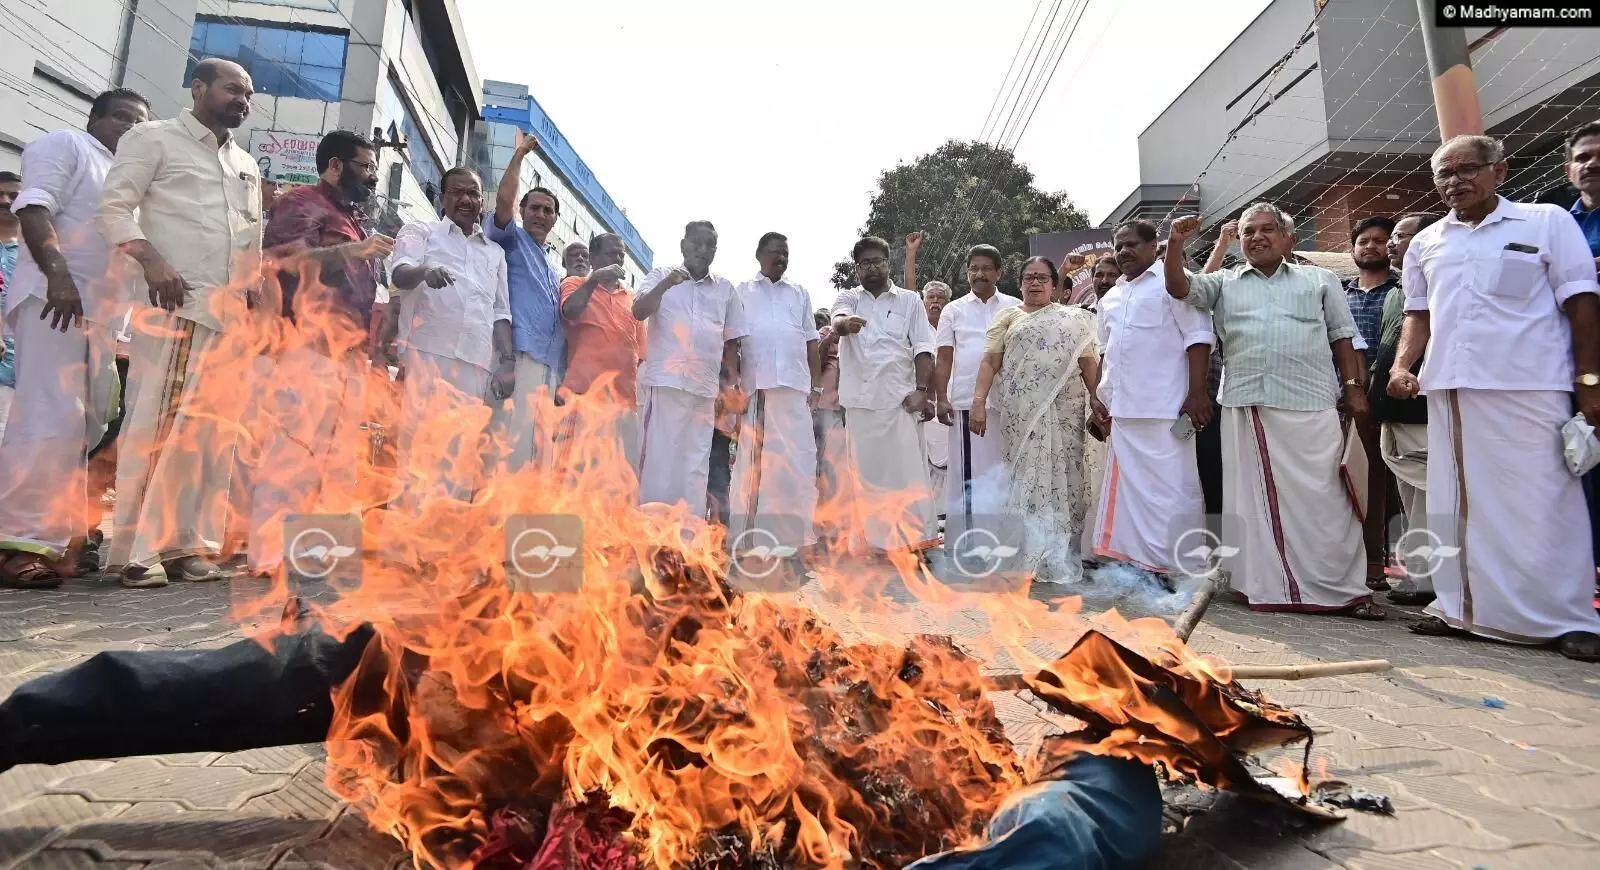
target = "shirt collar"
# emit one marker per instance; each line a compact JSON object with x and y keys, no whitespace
{"x":1355,"y":283}
{"x":477,"y":230}
{"x":1504,"y":209}
{"x":196,"y":129}
{"x":88,"y":139}
{"x":336,"y":197}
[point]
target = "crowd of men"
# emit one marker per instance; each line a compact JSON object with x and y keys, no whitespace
{"x":1234,"y":391}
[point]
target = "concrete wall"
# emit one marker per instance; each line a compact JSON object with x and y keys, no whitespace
{"x":57,"y":55}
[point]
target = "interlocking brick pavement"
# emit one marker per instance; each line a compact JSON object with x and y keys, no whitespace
{"x":1474,"y":786}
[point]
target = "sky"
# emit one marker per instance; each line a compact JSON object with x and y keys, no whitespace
{"x":759,"y":115}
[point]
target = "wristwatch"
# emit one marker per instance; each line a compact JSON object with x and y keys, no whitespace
{"x":1353,"y":382}
{"x":1589,"y":379}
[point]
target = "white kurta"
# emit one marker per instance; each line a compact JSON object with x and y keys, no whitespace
{"x":1500,"y":493}
{"x":1296,"y":530}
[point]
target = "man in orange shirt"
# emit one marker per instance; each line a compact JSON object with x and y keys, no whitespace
{"x":604,"y":341}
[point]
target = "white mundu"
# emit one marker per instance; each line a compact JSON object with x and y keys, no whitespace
{"x":1150,"y":494}
{"x":678,"y":383}
{"x":974,"y":470}
{"x":776,"y":474}
{"x":1499,"y":388}
{"x":887,"y":475}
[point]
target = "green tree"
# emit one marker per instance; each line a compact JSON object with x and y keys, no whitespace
{"x":963,"y":194}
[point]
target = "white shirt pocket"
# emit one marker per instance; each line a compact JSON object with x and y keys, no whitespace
{"x":1148,"y":312}
{"x":1516,"y":274}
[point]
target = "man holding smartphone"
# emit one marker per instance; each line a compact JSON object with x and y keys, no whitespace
{"x":1153,"y":384}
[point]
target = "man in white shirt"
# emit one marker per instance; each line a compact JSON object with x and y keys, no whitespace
{"x":455,"y":327}
{"x":183,"y":200}
{"x":935,"y":435}
{"x":1156,"y":353}
{"x":63,"y":300}
{"x":1503,"y":297}
{"x":776,"y":475}
{"x":691,"y":356}
{"x":885,"y":369}
{"x":974,"y":474}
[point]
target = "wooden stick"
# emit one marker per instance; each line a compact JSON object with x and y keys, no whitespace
{"x":1302,"y":672}
{"x":1185,"y":624}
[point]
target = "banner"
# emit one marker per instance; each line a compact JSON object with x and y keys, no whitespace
{"x":285,"y":157}
{"x":1091,"y":245}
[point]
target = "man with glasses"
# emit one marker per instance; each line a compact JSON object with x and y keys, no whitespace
{"x":309,"y":413}
{"x":535,"y":289}
{"x":885,"y":370}
{"x":974,"y":476}
{"x":455,"y":328}
{"x":1503,"y":297}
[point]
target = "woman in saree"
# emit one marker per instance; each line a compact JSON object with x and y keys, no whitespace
{"x":1039,"y":370}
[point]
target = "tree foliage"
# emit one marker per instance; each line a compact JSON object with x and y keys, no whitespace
{"x":963,"y":194}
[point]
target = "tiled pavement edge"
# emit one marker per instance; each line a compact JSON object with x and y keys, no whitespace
{"x":1475,"y":786}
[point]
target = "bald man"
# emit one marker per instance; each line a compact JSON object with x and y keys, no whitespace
{"x":183,"y":200}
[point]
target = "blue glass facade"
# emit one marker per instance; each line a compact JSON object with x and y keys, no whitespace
{"x":282,"y":61}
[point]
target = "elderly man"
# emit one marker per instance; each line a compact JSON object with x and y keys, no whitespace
{"x":1153,"y":386}
{"x":776,"y":474}
{"x":885,"y":368}
{"x":1499,"y":390}
{"x":1297,"y":531}
{"x":63,"y":302}
{"x":535,"y":290}
{"x":575,"y":260}
{"x":976,"y":477}
{"x":455,"y":324}
{"x":935,"y":435}
{"x":1403,"y":426}
{"x":692,"y":358}
{"x":313,"y":404}
{"x":181,"y":198}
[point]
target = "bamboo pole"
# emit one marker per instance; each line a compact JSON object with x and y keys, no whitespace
{"x":1185,"y":624}
{"x":1308,"y":671}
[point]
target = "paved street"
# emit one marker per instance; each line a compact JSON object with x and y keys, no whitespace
{"x":1475,"y":786}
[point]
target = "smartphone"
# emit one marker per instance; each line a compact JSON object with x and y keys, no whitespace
{"x":1183,"y":427}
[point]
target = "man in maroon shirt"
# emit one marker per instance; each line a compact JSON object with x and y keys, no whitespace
{"x":312,"y":404}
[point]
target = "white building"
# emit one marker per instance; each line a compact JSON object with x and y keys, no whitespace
{"x":400,"y":67}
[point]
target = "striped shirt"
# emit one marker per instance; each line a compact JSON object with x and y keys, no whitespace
{"x":1275,"y":333}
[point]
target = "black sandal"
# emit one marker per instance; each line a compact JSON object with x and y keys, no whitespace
{"x":1371,"y":611}
{"x":1433,"y":626}
{"x":1580,"y":646}
{"x":28,"y":571}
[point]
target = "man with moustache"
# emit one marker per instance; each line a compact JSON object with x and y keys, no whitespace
{"x":776,"y":475}
{"x":455,"y":325}
{"x":63,"y":301}
{"x":1503,"y":297}
{"x":604,"y":344}
{"x":973,"y":482}
{"x":1156,"y":352}
{"x":696,"y":320}
{"x":1367,"y":293}
{"x":535,"y":288}
{"x":1403,"y":425}
{"x":182,"y":199}
{"x":1279,"y":322}
{"x":1103,"y":276}
{"x":885,"y":371}
{"x":1583,"y":171}
{"x":310,"y":411}
{"x":935,"y":435}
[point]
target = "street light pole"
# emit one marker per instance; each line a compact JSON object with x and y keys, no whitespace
{"x":1455,"y":90}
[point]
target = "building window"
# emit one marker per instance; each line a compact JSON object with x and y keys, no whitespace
{"x":282,"y":61}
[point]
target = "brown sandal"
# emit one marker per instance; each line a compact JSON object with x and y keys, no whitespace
{"x":1368,"y":610}
{"x":1433,"y":626}
{"x":28,"y":571}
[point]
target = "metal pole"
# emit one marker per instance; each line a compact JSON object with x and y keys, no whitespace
{"x":1455,"y":90}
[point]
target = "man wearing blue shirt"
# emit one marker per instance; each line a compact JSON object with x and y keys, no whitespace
{"x":540,"y":343}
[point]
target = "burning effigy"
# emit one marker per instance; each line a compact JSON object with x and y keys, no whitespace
{"x":657,"y":715}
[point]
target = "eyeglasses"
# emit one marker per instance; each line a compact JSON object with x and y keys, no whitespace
{"x":1465,"y":172}
{"x":1036,"y":279}
{"x":873,"y":263}
{"x":368,"y":165}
